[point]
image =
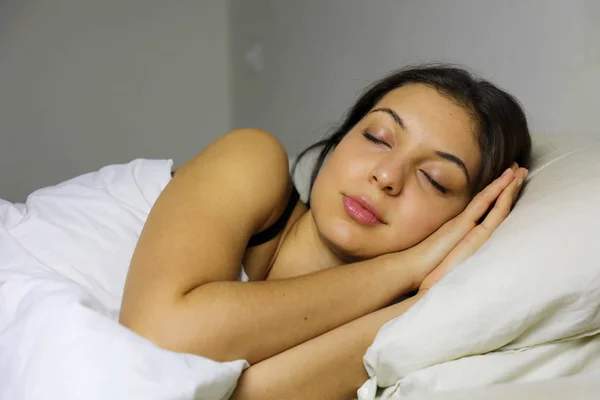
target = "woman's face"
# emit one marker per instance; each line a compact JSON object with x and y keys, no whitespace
{"x":398,"y":175}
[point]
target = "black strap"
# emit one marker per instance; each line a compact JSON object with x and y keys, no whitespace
{"x":272,"y":231}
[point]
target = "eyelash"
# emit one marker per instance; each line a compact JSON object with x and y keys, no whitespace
{"x":373,"y":139}
{"x":433,"y":183}
{"x":436,"y":185}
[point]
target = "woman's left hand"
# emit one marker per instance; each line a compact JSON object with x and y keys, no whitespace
{"x":481,"y":232}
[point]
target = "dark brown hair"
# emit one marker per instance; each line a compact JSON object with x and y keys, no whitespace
{"x":501,"y":125}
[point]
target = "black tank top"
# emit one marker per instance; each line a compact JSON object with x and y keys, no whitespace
{"x":272,"y":231}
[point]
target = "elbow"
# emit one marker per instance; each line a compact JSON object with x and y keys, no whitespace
{"x":260,"y":383}
{"x":154,"y":329}
{"x":175,"y":330}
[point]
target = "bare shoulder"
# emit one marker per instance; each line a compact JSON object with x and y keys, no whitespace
{"x":251,"y":162}
{"x":198,"y":229}
{"x":247,"y":148}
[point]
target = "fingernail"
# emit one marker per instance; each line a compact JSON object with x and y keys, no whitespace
{"x":507,"y":172}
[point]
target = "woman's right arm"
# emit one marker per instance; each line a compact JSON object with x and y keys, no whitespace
{"x":303,"y":372}
{"x":181,"y":291}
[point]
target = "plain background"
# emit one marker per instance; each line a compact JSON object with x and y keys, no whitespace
{"x":86,"y":83}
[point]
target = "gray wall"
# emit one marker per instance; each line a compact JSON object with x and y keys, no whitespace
{"x":318,"y":54}
{"x":85,"y":83}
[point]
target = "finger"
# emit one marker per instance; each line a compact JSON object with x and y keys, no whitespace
{"x":447,"y":237}
{"x":459,"y":228}
{"x":456,"y":229}
{"x":482,"y":202}
{"x":481,"y":233}
{"x":523,"y":176}
{"x":524,"y":172}
{"x":503,"y":205}
{"x":467,"y":247}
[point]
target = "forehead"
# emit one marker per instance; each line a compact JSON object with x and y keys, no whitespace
{"x":435,"y":121}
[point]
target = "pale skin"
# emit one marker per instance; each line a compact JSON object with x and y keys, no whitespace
{"x":320,"y":290}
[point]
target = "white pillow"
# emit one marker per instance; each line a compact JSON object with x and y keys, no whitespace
{"x":303,"y":172}
{"x":531,"y":294}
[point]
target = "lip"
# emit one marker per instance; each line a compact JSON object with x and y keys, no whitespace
{"x":362,"y":210}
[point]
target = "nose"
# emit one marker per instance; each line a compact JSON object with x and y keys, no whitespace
{"x":388,"y":177}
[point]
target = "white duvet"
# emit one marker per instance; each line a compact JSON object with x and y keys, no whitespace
{"x":63,"y":261}
{"x":525,"y":308}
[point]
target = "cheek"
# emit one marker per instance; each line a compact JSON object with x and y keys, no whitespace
{"x":348,"y":166}
{"x":343,"y":164}
{"x":420,"y":217}
{"x":414,"y":224}
{"x":342,"y":157}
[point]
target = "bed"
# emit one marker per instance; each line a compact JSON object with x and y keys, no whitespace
{"x":519,"y":319}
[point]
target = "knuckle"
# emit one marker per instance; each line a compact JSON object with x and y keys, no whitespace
{"x":481,"y":231}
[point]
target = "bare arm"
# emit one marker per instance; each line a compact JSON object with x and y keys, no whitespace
{"x":327,"y":367}
{"x":330,"y":366}
{"x":181,"y":291}
{"x":256,"y":320}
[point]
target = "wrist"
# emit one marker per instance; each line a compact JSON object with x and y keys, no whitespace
{"x":405,"y":269}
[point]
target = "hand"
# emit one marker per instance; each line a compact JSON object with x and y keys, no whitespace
{"x":462,"y":236}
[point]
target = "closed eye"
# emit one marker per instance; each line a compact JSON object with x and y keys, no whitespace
{"x":373,"y":139}
{"x":436,"y":185}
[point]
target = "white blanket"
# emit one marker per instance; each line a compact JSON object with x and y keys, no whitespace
{"x":63,"y":261}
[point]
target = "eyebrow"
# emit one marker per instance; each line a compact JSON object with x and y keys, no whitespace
{"x":446,"y":156}
{"x":392,"y":114}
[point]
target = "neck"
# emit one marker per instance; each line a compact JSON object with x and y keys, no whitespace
{"x":303,"y":251}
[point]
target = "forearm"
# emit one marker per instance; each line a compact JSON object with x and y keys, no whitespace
{"x":327,"y":367}
{"x":256,"y":320}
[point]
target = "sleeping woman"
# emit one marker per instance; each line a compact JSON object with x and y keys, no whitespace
{"x":418,"y":175}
